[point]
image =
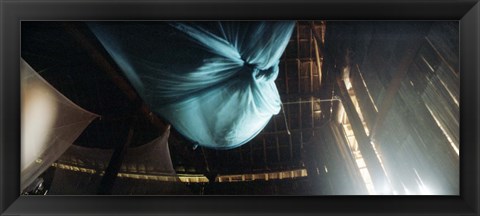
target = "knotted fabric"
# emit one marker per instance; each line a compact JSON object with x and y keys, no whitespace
{"x":213,"y":81}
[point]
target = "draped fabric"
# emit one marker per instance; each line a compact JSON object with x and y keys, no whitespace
{"x":142,"y":162}
{"x":213,"y":81}
{"x":154,"y":157}
{"x":50,"y":123}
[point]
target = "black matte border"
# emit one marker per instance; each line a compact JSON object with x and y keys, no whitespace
{"x":12,"y":11}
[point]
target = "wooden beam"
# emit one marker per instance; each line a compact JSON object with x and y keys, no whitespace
{"x":455,"y":72}
{"x":300,"y":125}
{"x":318,"y":62}
{"x":318,"y":38}
{"x":290,"y":145}
{"x":298,"y":60}
{"x":366,"y":105}
{"x":111,"y":70}
{"x":277,"y":139}
{"x":286,"y":77}
{"x":108,"y":180}
{"x":239,"y":151}
{"x":207,"y":167}
{"x":264,"y":150}
{"x":300,"y":113}
{"x":328,"y":76}
{"x":374,"y":167}
{"x":312,"y":116}
{"x":299,"y":80}
{"x":396,"y":83}
{"x":277,"y":142}
{"x":310,"y":67}
{"x":252,"y":161}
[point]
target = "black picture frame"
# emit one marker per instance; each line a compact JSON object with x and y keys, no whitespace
{"x":13,"y":11}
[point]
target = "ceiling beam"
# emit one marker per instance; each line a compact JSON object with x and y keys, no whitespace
{"x":78,"y":32}
{"x":318,"y":38}
{"x":111,"y":172}
{"x":374,"y":166}
{"x":327,"y":68}
{"x":396,"y":82}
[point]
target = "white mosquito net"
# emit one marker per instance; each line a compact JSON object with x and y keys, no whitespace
{"x":50,"y":123}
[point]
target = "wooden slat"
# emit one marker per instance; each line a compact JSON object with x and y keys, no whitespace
{"x":366,"y":105}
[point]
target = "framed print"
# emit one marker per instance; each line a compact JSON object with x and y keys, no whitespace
{"x":239,"y":107}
